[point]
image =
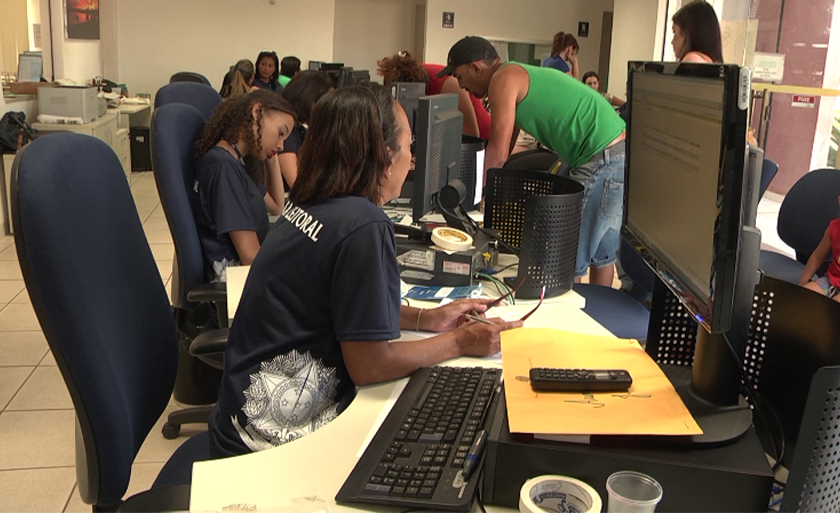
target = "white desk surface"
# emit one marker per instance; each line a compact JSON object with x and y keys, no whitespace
{"x":287,"y":478}
{"x":132,"y":108}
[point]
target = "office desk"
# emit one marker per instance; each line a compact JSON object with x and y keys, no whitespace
{"x":316,"y":465}
{"x":134,"y":115}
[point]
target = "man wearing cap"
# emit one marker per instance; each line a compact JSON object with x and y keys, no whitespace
{"x":564,"y":115}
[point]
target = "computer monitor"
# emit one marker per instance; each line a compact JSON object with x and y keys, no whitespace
{"x":408,"y":95}
{"x":439,"y":125}
{"x":30,"y":67}
{"x":316,"y":65}
{"x":688,"y":183}
{"x":347,"y":76}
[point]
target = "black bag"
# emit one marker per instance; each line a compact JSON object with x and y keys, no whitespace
{"x":15,"y":131}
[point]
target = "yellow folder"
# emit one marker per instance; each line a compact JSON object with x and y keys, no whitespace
{"x":650,"y":407}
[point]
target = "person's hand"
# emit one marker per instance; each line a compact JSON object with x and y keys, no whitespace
{"x":448,"y":317}
{"x":573,"y":59}
{"x":479,"y":339}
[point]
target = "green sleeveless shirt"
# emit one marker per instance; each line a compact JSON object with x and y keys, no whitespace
{"x":566,"y":115}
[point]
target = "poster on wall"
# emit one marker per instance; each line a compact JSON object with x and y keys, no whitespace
{"x":81,"y":19}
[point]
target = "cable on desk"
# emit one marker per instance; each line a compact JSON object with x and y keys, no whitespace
{"x":505,"y":268}
{"x":759,"y":404}
{"x":499,"y":285}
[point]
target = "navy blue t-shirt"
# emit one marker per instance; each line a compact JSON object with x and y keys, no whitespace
{"x":326,"y":273}
{"x":272,"y":86}
{"x":556,"y":62}
{"x":293,"y":143}
{"x":228,"y":200}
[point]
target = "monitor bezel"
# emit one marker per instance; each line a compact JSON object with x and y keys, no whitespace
{"x":715,"y":312}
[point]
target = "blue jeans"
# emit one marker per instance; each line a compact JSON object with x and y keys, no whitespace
{"x":602,"y":178}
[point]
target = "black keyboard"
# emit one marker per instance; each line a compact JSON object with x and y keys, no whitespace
{"x":416,"y":458}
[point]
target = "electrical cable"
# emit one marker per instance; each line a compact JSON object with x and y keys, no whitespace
{"x":475,"y":225}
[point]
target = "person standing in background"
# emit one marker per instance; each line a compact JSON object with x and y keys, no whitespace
{"x":564,"y":52}
{"x":267,"y":71}
{"x":238,"y":80}
{"x":697,"y":34}
{"x":289,"y":67}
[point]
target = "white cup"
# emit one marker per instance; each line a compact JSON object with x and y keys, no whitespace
{"x":632,"y":492}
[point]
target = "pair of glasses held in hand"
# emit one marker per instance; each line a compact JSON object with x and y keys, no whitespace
{"x":474,"y":317}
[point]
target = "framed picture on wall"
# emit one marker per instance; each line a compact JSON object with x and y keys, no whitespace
{"x":81,"y":19}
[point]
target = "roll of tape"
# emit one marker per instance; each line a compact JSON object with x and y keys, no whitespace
{"x":451,"y":239}
{"x":558,"y":494}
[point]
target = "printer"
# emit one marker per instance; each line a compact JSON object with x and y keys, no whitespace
{"x":70,"y":102}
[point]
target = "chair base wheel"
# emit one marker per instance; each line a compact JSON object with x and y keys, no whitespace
{"x":170,"y":431}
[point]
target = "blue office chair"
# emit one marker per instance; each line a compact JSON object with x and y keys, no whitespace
{"x":175,"y":130}
{"x":99,"y":299}
{"x":189,"y":76}
{"x":768,"y":172}
{"x":201,"y":96}
{"x":803,"y":218}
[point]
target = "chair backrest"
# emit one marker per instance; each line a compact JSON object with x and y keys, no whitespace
{"x":538,"y":159}
{"x":189,"y":76}
{"x":175,"y":130}
{"x":768,"y":171}
{"x":99,"y":298}
{"x":807,"y":209}
{"x":201,"y":96}
{"x":812,"y":482}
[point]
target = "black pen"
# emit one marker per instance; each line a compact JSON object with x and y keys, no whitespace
{"x":473,"y":456}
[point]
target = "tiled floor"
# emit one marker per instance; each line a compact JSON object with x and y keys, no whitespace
{"x":36,"y":417}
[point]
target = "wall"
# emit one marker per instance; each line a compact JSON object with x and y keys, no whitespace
{"x":156,"y":38}
{"x":78,"y":60}
{"x":526,"y":20}
{"x":33,"y":15}
{"x":392,"y":22}
{"x":638,"y":31}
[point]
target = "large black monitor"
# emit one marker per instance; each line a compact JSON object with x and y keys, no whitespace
{"x":687,"y":184}
{"x":408,"y":95}
{"x":438,"y":128}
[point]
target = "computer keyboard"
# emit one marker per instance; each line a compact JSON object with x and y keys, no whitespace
{"x":417,"y":456}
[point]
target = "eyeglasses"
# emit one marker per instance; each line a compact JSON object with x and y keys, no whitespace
{"x":529,"y":314}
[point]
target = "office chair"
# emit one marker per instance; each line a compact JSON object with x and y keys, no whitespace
{"x":768,"y":172}
{"x":175,"y":130}
{"x":803,"y":218}
{"x":623,"y":316}
{"x":812,"y":481}
{"x":189,"y":76}
{"x":201,"y":96}
{"x":98,"y":296}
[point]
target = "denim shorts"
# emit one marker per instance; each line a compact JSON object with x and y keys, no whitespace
{"x":827,"y":288}
{"x":602,"y":178}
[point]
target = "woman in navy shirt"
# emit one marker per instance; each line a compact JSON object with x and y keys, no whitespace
{"x":267,"y":71}
{"x":322,"y":301}
{"x":235,"y":191}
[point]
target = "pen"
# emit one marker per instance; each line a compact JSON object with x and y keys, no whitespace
{"x":475,"y":453}
{"x":477,"y":319}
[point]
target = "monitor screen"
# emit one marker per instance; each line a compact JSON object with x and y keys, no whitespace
{"x":684,"y":182}
{"x":438,"y":127}
{"x":408,"y":95}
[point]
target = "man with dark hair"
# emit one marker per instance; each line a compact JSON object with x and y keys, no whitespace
{"x":564,"y":115}
{"x":289,"y":67}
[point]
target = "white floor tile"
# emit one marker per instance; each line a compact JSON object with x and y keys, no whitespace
{"x":22,"y":348}
{"x":37,"y":439}
{"x":163,"y":252}
{"x":156,"y":223}
{"x":10,"y":270}
{"x":18,"y":317}
{"x":9,"y":289}
{"x":9,"y":254}
{"x":44,"y":390}
{"x":6,"y":241}
{"x":48,"y":360}
{"x":36,"y":490}
{"x":22,"y":298}
{"x":11,"y":379}
{"x":158,"y":236}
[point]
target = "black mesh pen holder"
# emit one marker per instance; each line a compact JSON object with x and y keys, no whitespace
{"x":505,"y":195}
{"x":550,"y":242}
{"x":470,"y":146}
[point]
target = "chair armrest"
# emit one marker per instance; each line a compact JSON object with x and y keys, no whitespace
{"x":209,"y":347}
{"x":208,"y":293}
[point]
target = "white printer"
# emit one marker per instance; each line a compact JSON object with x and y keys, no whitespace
{"x":69,"y":101}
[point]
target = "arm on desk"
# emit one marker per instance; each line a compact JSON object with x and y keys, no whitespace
{"x":374,"y":362}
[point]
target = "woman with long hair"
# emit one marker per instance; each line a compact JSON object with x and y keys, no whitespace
{"x":234,"y":189}
{"x":564,"y":51}
{"x":238,"y":80}
{"x":404,"y":67}
{"x":697,"y":34}
{"x":322,"y":300}
{"x":267,"y":72}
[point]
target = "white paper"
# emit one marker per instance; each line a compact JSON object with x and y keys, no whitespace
{"x":479,"y":176}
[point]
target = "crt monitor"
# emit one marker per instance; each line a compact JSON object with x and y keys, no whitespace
{"x":438,"y":130}
{"x":687,"y":193}
{"x":408,"y":95}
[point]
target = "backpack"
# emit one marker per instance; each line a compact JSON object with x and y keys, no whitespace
{"x":15,"y":131}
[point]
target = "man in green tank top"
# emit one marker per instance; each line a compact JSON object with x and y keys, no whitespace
{"x":564,"y":115}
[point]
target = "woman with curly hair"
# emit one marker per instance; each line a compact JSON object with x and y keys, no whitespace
{"x":268,"y":70}
{"x":404,"y":67}
{"x":235,"y":190}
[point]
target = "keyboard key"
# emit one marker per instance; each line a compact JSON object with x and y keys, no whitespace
{"x":430,"y":482}
{"x":458,"y":462}
{"x":411,"y":492}
{"x":388,"y":457}
{"x":390,"y":481}
{"x":401,"y":434}
{"x":426,"y":492}
{"x":397,"y":491}
{"x":381,"y":470}
{"x":431,"y":437}
{"x":392,"y":473}
{"x":376,"y":489}
{"x":450,"y":435}
{"x":405,"y":452}
{"x":416,"y":482}
{"x":427,"y":460}
{"x":413,"y":435}
{"x":375,"y":479}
